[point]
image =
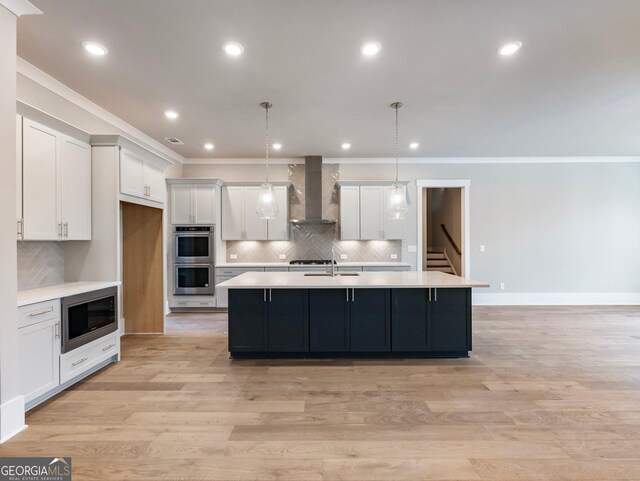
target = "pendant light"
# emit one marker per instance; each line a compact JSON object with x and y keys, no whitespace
{"x":267,"y":207}
{"x":397,"y":200}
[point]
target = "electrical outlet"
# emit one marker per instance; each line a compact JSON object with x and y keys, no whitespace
{"x":233,"y":257}
{"x":481,"y":247}
{"x":502,"y":286}
{"x":412,"y":248}
{"x":394,"y":256}
{"x":343,"y":257}
{"x":282,"y":257}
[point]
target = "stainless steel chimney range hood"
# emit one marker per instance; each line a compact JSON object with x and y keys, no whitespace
{"x":313,"y":192}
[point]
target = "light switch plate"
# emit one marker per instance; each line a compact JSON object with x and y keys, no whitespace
{"x":394,"y":256}
{"x":343,"y":257}
{"x":502,"y":286}
{"x":233,"y":257}
{"x":481,"y":247}
{"x":412,"y":248}
{"x":282,"y":257}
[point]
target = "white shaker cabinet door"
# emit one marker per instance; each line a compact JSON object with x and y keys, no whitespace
{"x":371,"y":207}
{"x":278,"y":228}
{"x":19,"y":174}
{"x":350,"y":213}
{"x":75,"y":189}
{"x":154,"y":180}
{"x":255,"y":228}
{"x":204,"y":211}
{"x":131,"y":174}
{"x":232,"y":213}
{"x":181,"y":200}
{"x":393,"y":228}
{"x":40,"y":205}
{"x":39,"y":352}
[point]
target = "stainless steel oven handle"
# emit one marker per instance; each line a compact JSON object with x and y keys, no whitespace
{"x":80,"y":361}
{"x":39,"y":313}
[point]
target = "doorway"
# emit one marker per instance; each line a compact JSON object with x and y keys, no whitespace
{"x":443,"y":226}
{"x":142,"y":269}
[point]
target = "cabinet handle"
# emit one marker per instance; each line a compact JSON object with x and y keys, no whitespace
{"x":39,"y":313}
{"x":108,"y":347}
{"x":429,"y":294}
{"x":57,"y":331}
{"x":66,"y":229}
{"x":59,"y":229}
{"x":353,"y":295}
{"x":264,"y":295}
{"x":347,"y":294}
{"x":435,"y":293}
{"x":148,"y":191}
{"x":269,"y":295}
{"x":20,"y":229}
{"x":80,"y":361}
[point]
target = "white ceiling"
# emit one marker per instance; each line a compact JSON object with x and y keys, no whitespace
{"x":572,"y":90}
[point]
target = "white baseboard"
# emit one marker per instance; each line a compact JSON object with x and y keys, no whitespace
{"x":11,"y":418}
{"x":556,"y":298}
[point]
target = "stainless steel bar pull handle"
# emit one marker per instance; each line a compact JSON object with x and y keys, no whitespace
{"x":39,"y":313}
{"x":108,"y":347}
{"x":59,"y":229}
{"x":347,"y":294}
{"x":264,"y":295}
{"x":57,"y":333}
{"x":353,"y":295}
{"x":429,"y":294}
{"x":269,"y":295}
{"x":80,"y":361}
{"x":66,"y":229}
{"x":435,"y":293}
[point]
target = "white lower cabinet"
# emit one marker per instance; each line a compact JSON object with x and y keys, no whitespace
{"x":39,"y":354}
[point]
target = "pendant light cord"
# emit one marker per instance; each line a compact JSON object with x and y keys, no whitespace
{"x":266,"y":135}
{"x":397,"y":106}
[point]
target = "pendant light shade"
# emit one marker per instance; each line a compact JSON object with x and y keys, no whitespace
{"x":397,"y":198}
{"x":267,"y":206}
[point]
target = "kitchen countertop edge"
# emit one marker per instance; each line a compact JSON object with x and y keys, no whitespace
{"x":58,"y":291}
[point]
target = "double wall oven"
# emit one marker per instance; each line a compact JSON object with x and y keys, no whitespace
{"x":194,"y":260}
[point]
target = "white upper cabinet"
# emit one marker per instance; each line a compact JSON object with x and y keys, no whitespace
{"x":75,"y":189}
{"x":232,"y":213}
{"x":255,"y":228}
{"x":350,"y":212}
{"x":278,"y":228}
{"x":56,"y":180}
{"x":363,"y":214}
{"x":193,"y":204}
{"x":240,"y":220}
{"x":19,"y":174}
{"x":141,"y":178}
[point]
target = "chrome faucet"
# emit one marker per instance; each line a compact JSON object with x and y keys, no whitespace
{"x":333,"y":262}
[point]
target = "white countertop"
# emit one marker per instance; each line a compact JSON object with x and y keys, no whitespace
{"x":58,"y":291}
{"x":298,"y":280}
{"x":339,"y":264}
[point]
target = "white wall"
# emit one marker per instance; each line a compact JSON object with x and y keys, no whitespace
{"x":11,"y":402}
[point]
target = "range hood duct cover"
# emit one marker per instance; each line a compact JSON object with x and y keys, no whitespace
{"x":313,"y":192}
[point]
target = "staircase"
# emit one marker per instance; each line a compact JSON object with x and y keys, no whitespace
{"x":437,"y":260}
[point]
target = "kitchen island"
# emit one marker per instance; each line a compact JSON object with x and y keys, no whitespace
{"x":364,"y":314}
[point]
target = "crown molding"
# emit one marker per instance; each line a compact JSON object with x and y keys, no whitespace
{"x":20,"y":7}
{"x":47,"y":81}
{"x":482,"y":160}
{"x":244,"y":161}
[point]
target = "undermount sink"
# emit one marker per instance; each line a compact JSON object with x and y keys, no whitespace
{"x":324,"y":274}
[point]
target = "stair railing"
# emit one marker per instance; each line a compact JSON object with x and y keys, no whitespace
{"x":450,"y":239}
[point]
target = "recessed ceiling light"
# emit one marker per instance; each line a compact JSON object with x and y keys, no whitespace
{"x":370,"y":48}
{"x":346,"y":146}
{"x":509,"y":48}
{"x":95,"y":48}
{"x":277,"y":146}
{"x":171,"y":114}
{"x":233,"y":48}
{"x":414,"y":145}
{"x":208,"y":146}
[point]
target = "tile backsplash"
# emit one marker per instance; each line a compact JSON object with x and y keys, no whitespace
{"x":313,"y":241}
{"x":40,"y":264}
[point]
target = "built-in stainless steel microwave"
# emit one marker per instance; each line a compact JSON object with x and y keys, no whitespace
{"x":88,"y":316}
{"x":193,"y":244}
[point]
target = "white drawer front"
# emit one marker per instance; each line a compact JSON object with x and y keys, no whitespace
{"x":42,"y":311}
{"x":79,"y":360}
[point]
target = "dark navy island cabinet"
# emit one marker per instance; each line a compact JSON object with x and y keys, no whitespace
{"x":411,"y":322}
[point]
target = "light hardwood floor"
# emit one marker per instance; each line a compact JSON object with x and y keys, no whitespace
{"x":548,"y":394}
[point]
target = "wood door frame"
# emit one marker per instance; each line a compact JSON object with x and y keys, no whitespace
{"x":465,"y":186}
